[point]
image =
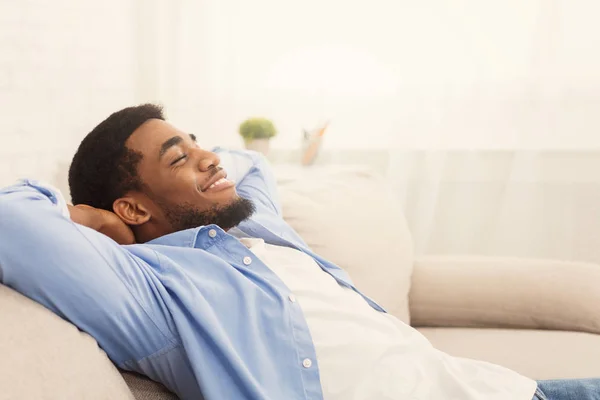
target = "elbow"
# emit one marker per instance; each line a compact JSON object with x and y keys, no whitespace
{"x":22,"y":202}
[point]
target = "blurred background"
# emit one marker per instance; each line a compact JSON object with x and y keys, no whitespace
{"x":483,"y":116}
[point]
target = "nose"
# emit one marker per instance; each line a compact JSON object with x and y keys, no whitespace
{"x":208,"y":160}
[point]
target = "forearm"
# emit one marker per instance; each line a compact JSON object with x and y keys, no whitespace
{"x":86,"y":217}
{"x":105,"y":222}
{"x":25,"y":211}
{"x":34,"y":195}
{"x":36,"y":202}
{"x":35,"y":198}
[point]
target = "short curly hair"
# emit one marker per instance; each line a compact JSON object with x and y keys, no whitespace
{"x":103,"y":168}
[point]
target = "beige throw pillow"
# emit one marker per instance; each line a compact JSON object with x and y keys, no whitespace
{"x":349,"y":216}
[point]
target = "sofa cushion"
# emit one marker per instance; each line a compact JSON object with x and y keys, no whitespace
{"x":536,"y":354}
{"x":499,"y":292}
{"x":45,"y":357}
{"x":146,"y":389}
{"x":349,"y":216}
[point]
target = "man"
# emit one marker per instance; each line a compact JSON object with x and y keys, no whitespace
{"x":186,"y":272}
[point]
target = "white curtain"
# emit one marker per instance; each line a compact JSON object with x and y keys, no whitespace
{"x":490,"y":111}
{"x":514,"y":203}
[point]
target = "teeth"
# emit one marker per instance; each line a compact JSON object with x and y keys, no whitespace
{"x":217,"y":183}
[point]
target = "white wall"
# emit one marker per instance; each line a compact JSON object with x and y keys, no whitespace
{"x":541,"y":204}
{"x":387,"y":73}
{"x":409,"y":74}
{"x":64,"y":66}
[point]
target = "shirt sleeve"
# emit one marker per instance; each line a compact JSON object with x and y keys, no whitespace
{"x":253,"y":176}
{"x":79,"y":274}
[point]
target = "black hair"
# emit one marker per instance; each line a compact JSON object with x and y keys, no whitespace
{"x":103,"y":168}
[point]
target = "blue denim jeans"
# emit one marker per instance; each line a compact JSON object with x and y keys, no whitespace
{"x":568,"y":389}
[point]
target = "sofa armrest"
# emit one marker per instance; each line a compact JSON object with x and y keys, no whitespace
{"x":496,"y":292}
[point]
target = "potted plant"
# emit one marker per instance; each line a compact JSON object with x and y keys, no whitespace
{"x":256,"y":133}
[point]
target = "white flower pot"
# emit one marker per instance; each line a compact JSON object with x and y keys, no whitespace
{"x":260,"y":145}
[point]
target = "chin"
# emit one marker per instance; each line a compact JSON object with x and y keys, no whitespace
{"x":229,"y":196}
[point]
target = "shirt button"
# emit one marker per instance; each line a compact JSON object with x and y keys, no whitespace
{"x":247,"y":260}
{"x":212,"y":233}
{"x":307,"y":363}
{"x":292,"y":298}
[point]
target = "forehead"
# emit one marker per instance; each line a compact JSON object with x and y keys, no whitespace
{"x":148,"y":138}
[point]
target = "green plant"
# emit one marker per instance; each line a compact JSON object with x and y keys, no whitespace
{"x":257,"y":128}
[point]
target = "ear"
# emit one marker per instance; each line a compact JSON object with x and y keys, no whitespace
{"x":131,"y":211}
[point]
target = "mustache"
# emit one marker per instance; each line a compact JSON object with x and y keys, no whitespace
{"x":212,"y":172}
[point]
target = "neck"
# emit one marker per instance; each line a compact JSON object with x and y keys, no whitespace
{"x":148,"y":231}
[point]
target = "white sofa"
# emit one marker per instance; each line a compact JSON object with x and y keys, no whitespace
{"x":541,"y":318}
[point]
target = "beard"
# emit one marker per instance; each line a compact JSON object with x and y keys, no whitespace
{"x":187,"y":216}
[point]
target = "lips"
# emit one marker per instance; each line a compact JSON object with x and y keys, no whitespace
{"x":217,"y":181}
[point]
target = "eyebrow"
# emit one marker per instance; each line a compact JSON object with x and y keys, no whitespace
{"x":174,"y":141}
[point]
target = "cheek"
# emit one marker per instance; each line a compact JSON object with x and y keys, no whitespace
{"x":183,"y":178}
{"x":189,"y":186}
{"x":180,"y":186}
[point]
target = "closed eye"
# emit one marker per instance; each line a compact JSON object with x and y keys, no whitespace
{"x":183,"y":157}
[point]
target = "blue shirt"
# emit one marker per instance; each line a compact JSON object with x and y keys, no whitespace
{"x":194,"y":310}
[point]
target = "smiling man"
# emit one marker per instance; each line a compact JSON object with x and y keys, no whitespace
{"x":155,"y":178}
{"x":178,"y":261}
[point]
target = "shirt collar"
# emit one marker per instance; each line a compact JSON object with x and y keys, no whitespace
{"x":194,"y":237}
{"x":185,"y":238}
